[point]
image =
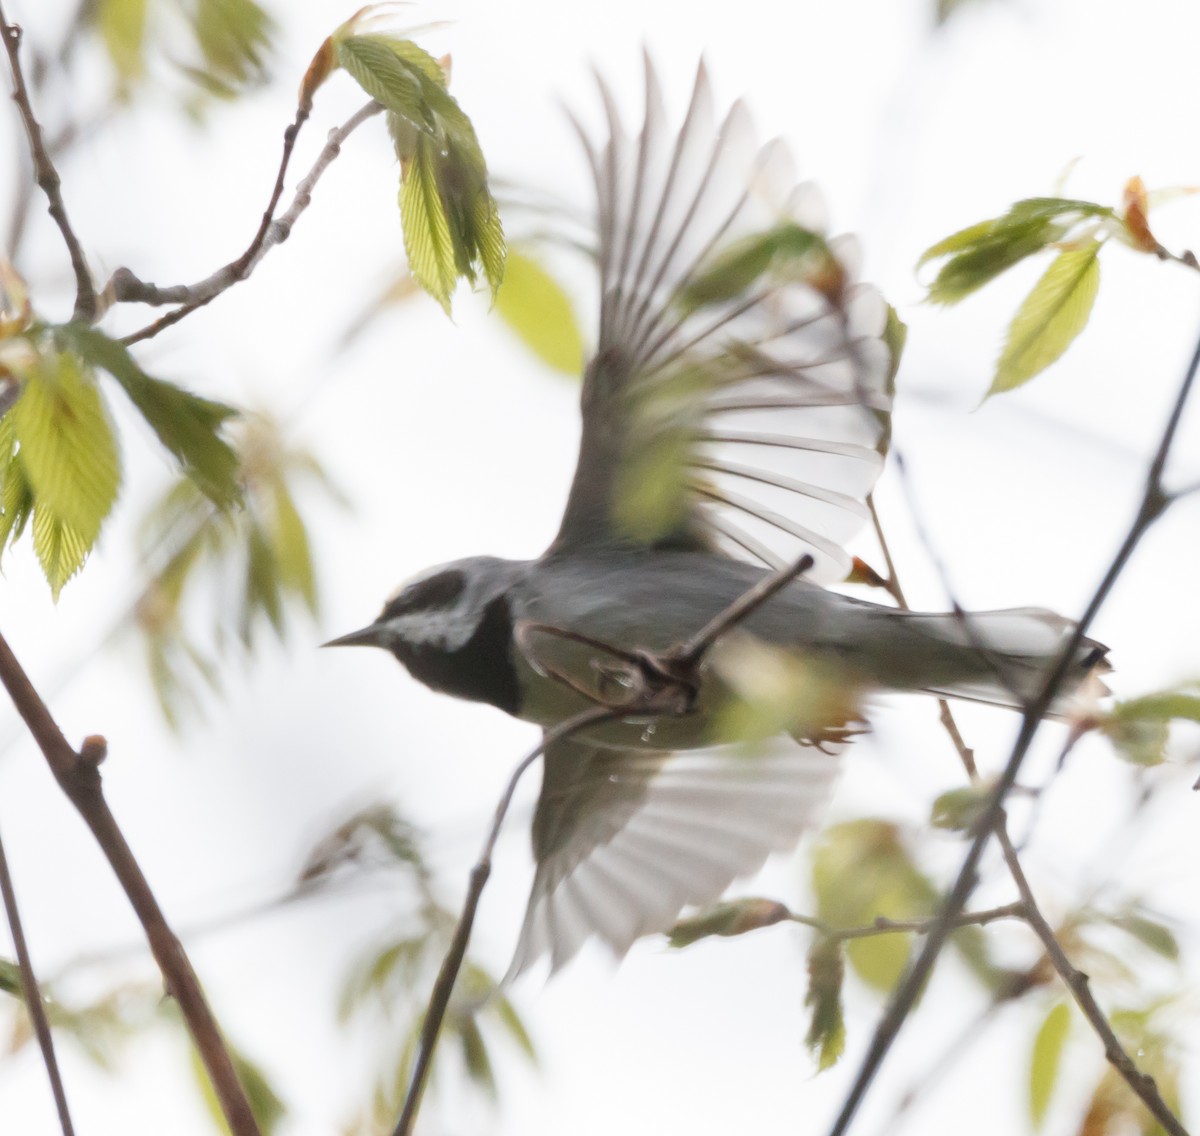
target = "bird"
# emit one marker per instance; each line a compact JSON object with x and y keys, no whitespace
{"x":735,"y":417}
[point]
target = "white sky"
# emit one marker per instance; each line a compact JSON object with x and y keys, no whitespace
{"x":453,"y":442}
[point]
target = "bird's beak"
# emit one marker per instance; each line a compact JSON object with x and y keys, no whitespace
{"x":372,"y":636}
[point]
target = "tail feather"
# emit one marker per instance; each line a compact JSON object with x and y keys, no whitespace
{"x":1006,"y":655}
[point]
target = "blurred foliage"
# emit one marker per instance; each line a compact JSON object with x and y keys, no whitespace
{"x":268,"y":1108}
{"x":221,"y":47}
{"x":537,"y":308}
{"x":826,"y":1037}
{"x":237,"y":570}
{"x":1140,"y":728}
{"x":1057,"y":309}
{"x":389,"y":985}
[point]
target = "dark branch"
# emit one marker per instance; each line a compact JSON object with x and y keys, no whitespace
{"x":46,"y":175}
{"x":1077,"y":983}
{"x":125,"y":287}
{"x":78,"y":775}
{"x":1154,"y":501}
{"x":439,"y":999}
{"x":32,"y":995}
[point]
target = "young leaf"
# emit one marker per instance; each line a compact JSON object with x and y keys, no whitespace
{"x":735,"y":917}
{"x":1045,"y":1060}
{"x":122,"y":25}
{"x":827,"y":1030}
{"x":788,"y":251}
{"x":1050,"y":317}
{"x":67,"y":446}
{"x":233,"y":37}
{"x":186,"y":424}
{"x":427,"y":240}
{"x":535,"y":306}
{"x":981,"y":252}
{"x":61,"y":549}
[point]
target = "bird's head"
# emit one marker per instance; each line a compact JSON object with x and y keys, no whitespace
{"x":440,"y":610}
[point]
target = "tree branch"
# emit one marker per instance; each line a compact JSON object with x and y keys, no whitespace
{"x":32,"y":995}
{"x":125,"y":287}
{"x":47,"y":175}
{"x":1154,"y":501}
{"x":1077,"y":983}
{"x":439,"y":999}
{"x":78,"y":775}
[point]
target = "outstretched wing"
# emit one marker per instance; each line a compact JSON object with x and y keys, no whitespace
{"x":739,"y":394}
{"x":624,"y":840}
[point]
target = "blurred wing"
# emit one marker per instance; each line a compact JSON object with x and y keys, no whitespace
{"x":624,"y":839}
{"x":739,"y":394}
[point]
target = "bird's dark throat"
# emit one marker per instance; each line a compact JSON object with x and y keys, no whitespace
{"x":481,"y":670}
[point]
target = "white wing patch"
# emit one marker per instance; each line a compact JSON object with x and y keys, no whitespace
{"x":661,"y":832}
{"x":743,"y":331}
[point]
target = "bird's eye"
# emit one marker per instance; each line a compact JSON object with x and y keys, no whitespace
{"x":435,"y":592}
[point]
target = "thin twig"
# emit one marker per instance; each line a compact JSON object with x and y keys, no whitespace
{"x":1154,"y":501}
{"x":78,"y":775}
{"x":1077,"y":983}
{"x":439,"y":999}
{"x":32,"y":995}
{"x":47,"y":175}
{"x":884,"y":926}
{"x":126,"y":287}
{"x":696,"y":647}
{"x":896,"y":591}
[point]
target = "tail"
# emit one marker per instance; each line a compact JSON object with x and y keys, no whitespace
{"x":1001,"y":658}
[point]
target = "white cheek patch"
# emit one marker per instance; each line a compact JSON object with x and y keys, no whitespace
{"x":447,"y":629}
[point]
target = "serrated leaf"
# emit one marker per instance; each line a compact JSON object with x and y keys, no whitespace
{"x":186,"y":424}
{"x":450,"y":220}
{"x":826,"y":1038}
{"x":60,"y":549}
{"x":1046,"y":1059}
{"x":16,"y":495}
{"x":67,"y":447}
{"x":1050,"y":317}
{"x":427,"y":242}
{"x":535,"y":306}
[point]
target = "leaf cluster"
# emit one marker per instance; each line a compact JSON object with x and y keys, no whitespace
{"x":451,"y":223}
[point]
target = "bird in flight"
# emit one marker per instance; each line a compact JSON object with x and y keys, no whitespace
{"x":735,"y":417}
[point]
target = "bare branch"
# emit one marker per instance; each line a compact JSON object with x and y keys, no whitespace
{"x":125,"y":287}
{"x":439,"y":999}
{"x":1154,"y":501}
{"x":47,"y":175}
{"x":1077,"y":983}
{"x":32,"y":995}
{"x":78,"y":775}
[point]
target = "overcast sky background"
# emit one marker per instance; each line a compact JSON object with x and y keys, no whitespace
{"x":451,"y":440}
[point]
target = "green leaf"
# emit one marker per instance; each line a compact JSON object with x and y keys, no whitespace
{"x":787,"y":251}
{"x":233,"y":37}
{"x":959,"y":810}
{"x":427,"y":240}
{"x":535,"y":306}
{"x":735,"y":917}
{"x":1045,"y":1060}
{"x":826,"y":1037}
{"x":1050,"y":317}
{"x":981,"y":252}
{"x":1150,"y":933}
{"x":122,"y":26}
{"x":450,"y":220}
{"x":16,"y":495}
{"x":61,"y":550}
{"x":293,"y":554}
{"x":476,"y":1057}
{"x":186,"y":424}
{"x":67,"y":446}
{"x":265,"y":1103}
{"x":1166,"y":706}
